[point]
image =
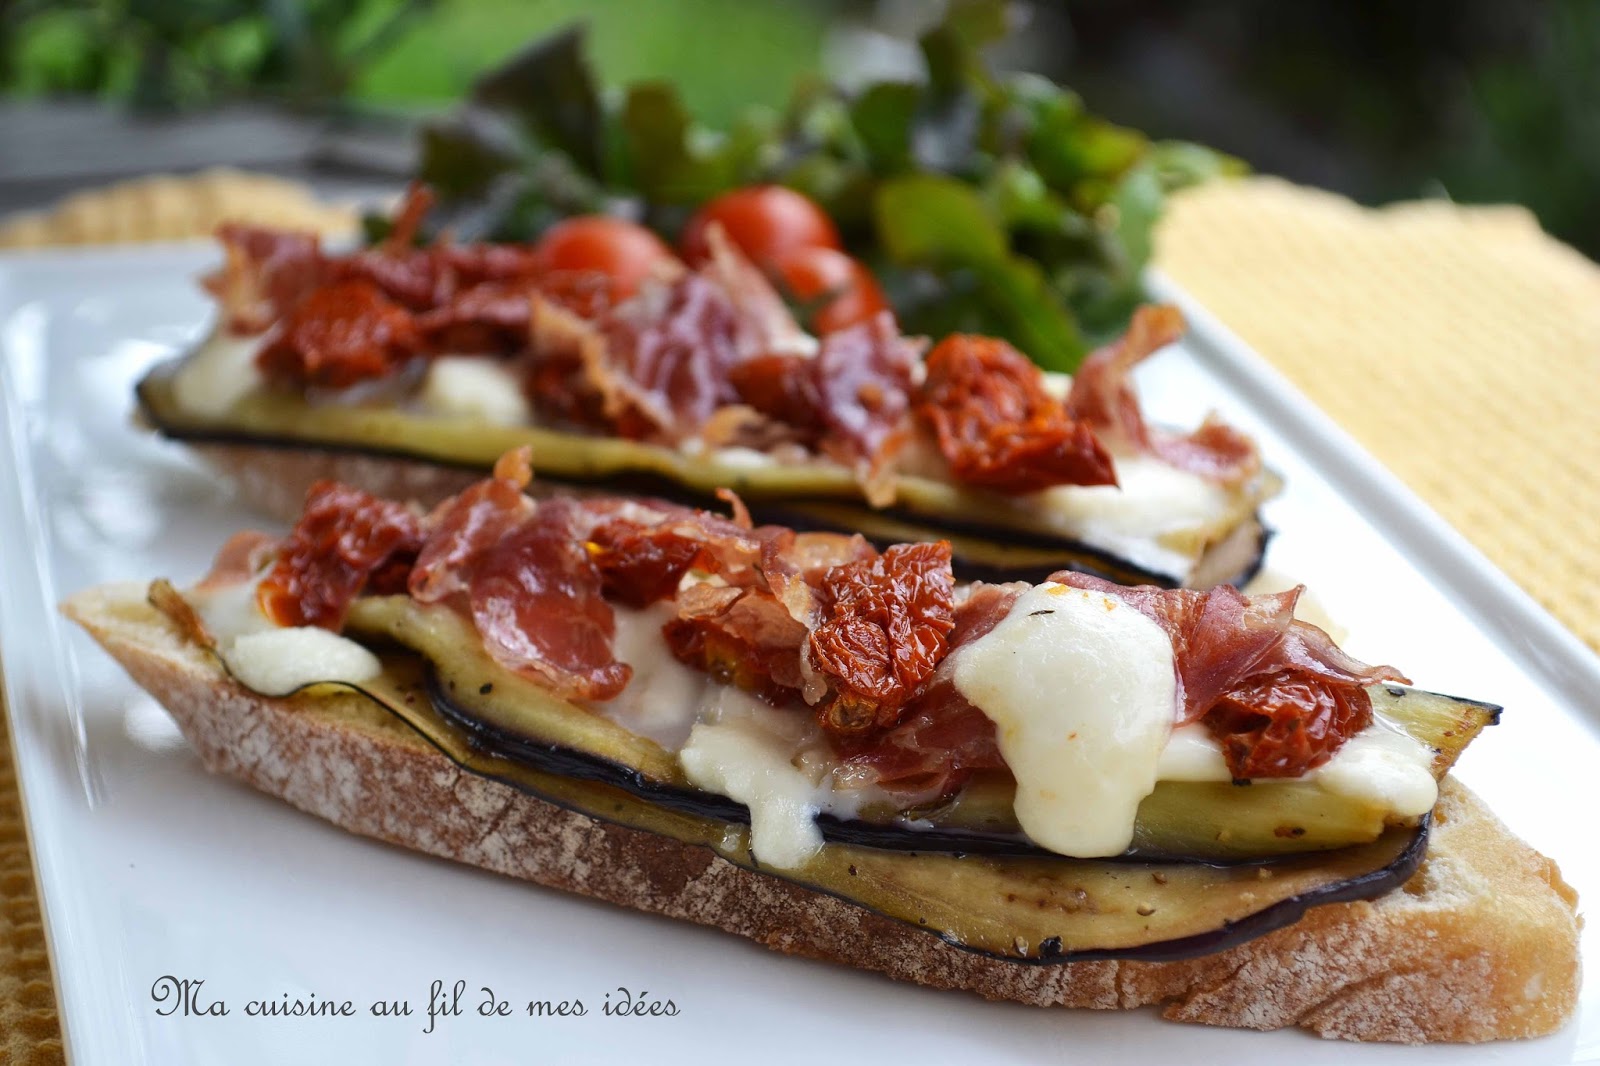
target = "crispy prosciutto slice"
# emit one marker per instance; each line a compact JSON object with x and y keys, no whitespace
{"x":659,"y":365}
{"x":524,"y":577}
{"x":850,"y":401}
{"x":1102,"y":396}
{"x":536,"y":601}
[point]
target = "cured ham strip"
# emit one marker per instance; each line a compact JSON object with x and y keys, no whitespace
{"x":521,"y":573}
{"x":997,"y":426}
{"x":239,"y":559}
{"x":850,"y":401}
{"x":535,"y":598}
{"x":660,"y":365}
{"x":1103,"y":397}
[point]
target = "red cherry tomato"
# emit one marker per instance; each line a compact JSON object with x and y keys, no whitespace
{"x":624,"y":251}
{"x":847,"y":290}
{"x":765,"y":222}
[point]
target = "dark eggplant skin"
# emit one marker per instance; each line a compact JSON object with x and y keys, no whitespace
{"x":1280,"y":915}
{"x":981,"y":552}
{"x":1377,"y":868}
{"x":586,"y":766}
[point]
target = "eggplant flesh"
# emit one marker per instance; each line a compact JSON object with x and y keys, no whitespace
{"x":1033,"y":908}
{"x":1007,"y":544}
{"x":501,"y":712}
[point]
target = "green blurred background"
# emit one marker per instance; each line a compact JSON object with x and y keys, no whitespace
{"x":1478,"y":100}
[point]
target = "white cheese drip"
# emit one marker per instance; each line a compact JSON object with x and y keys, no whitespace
{"x":474,"y":386}
{"x":1150,"y":498}
{"x":218,"y":373}
{"x":1082,"y":689}
{"x":1381,"y":765}
{"x":276,"y":660}
{"x":744,"y":762}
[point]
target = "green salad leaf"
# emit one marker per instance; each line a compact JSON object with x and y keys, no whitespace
{"x":983,"y":203}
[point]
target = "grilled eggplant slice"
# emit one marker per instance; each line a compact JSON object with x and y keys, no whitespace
{"x":1037,"y":908}
{"x":995,"y":538}
{"x":1034,"y":907}
{"x":1215,"y":821}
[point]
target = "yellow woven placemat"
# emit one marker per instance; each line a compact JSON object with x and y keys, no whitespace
{"x":1460,"y":345}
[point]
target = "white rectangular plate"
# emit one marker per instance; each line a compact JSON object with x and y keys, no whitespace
{"x":148,"y":867}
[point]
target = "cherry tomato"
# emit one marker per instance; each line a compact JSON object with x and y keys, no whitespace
{"x":765,"y":222}
{"x":624,"y":251}
{"x":847,"y":290}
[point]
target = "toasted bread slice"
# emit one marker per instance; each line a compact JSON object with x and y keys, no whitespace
{"x":1481,"y":944}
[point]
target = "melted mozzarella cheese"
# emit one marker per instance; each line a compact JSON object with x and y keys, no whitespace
{"x":276,"y":660}
{"x":218,"y":374}
{"x":1150,"y":499}
{"x":664,"y":697}
{"x":744,"y":762}
{"x":1385,"y":767}
{"x":1381,"y":765}
{"x":279,"y":661}
{"x":471,"y":386}
{"x":1081,"y":688}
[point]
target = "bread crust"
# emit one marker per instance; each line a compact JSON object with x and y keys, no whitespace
{"x":1481,"y":944}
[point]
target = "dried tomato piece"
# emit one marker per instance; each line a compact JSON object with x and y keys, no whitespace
{"x":740,"y":636}
{"x":1283,"y":724}
{"x":491,"y":318}
{"x":639,"y":566}
{"x":997,"y":426}
{"x":413,"y":277}
{"x":884,"y":629}
{"x":340,"y":335}
{"x":346,"y":541}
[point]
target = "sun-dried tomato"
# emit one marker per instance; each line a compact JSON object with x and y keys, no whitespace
{"x":639,"y":566}
{"x":998,"y":427}
{"x":740,"y":636}
{"x":339,"y":335}
{"x":491,"y":318}
{"x":884,"y":629}
{"x":1283,"y":724}
{"x":346,"y":542}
